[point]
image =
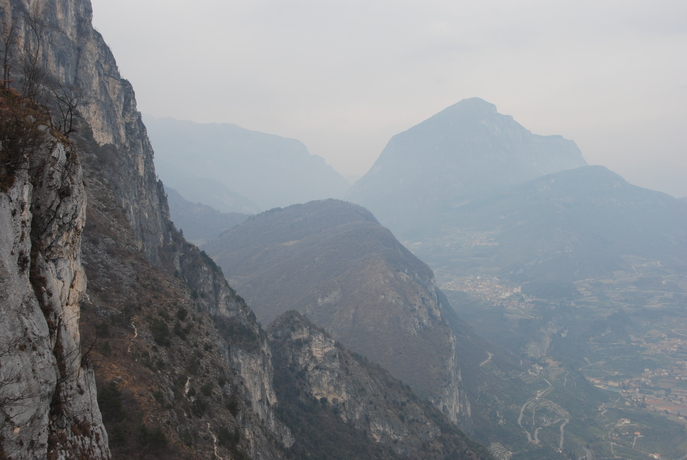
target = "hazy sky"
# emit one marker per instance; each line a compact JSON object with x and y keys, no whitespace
{"x":343,"y":76}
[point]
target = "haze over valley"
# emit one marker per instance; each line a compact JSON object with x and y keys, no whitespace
{"x":556,"y":278}
{"x":198,"y":289}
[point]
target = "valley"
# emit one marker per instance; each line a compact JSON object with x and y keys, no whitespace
{"x":483,"y":293}
{"x":626,"y":335}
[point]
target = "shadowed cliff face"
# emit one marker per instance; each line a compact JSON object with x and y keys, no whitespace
{"x":332,"y":261}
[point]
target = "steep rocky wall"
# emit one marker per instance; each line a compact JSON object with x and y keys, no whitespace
{"x":73,"y":56}
{"x":252,"y":359}
{"x":329,"y":382}
{"x":47,"y":388}
{"x":74,"y":60}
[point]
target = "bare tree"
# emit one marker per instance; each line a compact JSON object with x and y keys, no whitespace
{"x":32,"y":68}
{"x":8,"y":42}
{"x":66,"y":101}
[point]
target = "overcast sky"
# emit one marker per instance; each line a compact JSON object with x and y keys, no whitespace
{"x":343,"y":76}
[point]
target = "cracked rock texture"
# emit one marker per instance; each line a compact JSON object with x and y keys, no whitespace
{"x":47,"y":388}
{"x":327,"y":381}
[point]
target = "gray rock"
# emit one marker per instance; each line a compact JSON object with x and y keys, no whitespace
{"x":47,"y":389}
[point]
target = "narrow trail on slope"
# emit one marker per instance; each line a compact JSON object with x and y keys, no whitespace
{"x":133,"y":340}
{"x":214,"y":441}
{"x":486,"y":361}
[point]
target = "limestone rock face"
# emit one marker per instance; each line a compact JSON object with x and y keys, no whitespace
{"x":74,"y":56}
{"x":47,"y":389}
{"x":252,"y":363}
{"x":329,"y":378}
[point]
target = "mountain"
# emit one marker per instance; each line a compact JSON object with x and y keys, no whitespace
{"x":199,"y":223}
{"x":571,"y":225}
{"x":332,"y":261}
{"x":119,"y":338}
{"x":269,"y":170}
{"x":457,"y":155}
{"x":204,"y":190}
{"x":96,"y":278}
{"x":354,"y":408}
{"x":566,"y":265}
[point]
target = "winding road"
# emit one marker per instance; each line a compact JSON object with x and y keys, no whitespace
{"x":540,"y":394}
{"x":560,"y":444}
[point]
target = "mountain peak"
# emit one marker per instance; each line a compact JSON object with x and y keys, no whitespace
{"x":464,"y":151}
{"x":471,"y":105}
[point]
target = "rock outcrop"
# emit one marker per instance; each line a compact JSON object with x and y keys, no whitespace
{"x":325,"y":380}
{"x":47,"y":387}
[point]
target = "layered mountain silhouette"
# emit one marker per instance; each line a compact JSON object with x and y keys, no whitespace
{"x":335,"y":263}
{"x":269,"y":170}
{"x":474,"y":190}
{"x":200,"y":223}
{"x":204,"y":190}
{"x":457,"y":155}
{"x":539,"y":251}
{"x":577,"y":224}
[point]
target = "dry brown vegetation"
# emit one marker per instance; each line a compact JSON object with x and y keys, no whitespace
{"x":163,"y":386}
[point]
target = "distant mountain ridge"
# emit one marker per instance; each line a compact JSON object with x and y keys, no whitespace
{"x":269,"y":170}
{"x":204,"y":190}
{"x":199,"y":223}
{"x":447,"y":160}
{"x":574,"y":224}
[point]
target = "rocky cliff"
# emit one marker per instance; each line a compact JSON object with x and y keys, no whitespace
{"x":357,"y":409}
{"x":127,"y":216}
{"x":47,"y":387}
{"x":73,"y":57}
